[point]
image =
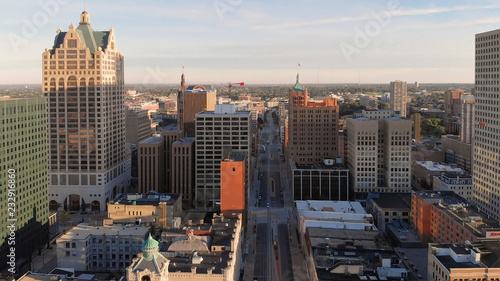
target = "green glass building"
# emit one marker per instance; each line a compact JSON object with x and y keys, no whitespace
{"x":24,"y":208}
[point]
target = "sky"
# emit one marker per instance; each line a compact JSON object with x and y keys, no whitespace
{"x":260,"y":41}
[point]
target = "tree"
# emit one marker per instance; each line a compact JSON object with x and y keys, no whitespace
{"x":384,"y":105}
{"x":432,"y":127}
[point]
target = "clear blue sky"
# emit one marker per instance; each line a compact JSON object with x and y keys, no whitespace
{"x":260,"y":41}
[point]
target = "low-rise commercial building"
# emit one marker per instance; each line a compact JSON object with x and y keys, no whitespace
{"x":324,"y":181}
{"x":340,"y":242}
{"x":424,"y":172}
{"x":154,"y":209}
{"x":388,"y":207}
{"x":100,"y":247}
{"x":213,"y":252}
{"x":461,"y":184}
{"x":476,"y":261}
{"x":445,"y":217}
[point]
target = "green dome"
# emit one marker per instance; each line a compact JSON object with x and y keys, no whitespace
{"x":150,"y":247}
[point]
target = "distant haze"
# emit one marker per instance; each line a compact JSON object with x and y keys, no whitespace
{"x":260,"y":42}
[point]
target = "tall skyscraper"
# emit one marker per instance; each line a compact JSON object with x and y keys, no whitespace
{"x":467,"y":119}
{"x":312,"y":127}
{"x":84,"y":83}
{"x":23,"y":161}
{"x":398,"y":97}
{"x":379,"y":154}
{"x":190,"y":101}
{"x":224,"y":129}
{"x":486,"y":163}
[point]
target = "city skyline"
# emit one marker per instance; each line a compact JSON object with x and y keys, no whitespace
{"x":258,"y":42}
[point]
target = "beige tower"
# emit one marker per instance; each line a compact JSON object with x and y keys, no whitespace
{"x":379,"y":155}
{"x":83,"y":82}
{"x":399,"y":97}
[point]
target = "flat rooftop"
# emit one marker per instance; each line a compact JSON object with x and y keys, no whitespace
{"x":458,"y":209}
{"x":83,"y":230}
{"x":221,"y":235}
{"x":152,"y":140}
{"x":438,"y":167}
{"x":329,"y":206}
{"x":185,"y":140}
{"x":393,"y":200}
{"x":169,"y":128}
{"x":236,"y":156}
{"x":149,"y":198}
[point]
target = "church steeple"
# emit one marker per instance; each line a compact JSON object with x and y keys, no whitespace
{"x":85,"y":18}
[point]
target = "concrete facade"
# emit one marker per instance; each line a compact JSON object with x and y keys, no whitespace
{"x":467,"y":119}
{"x":137,"y":126}
{"x":219,"y":131}
{"x":100,"y":248}
{"x":457,"y":152}
{"x":379,"y":155}
{"x":398,"y":97}
{"x":486,"y":126}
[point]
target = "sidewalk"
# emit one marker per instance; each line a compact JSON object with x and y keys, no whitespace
{"x":45,"y":262}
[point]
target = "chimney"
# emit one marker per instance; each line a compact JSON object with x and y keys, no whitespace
{"x":190,"y":222}
{"x":193,"y":270}
{"x":202,"y":221}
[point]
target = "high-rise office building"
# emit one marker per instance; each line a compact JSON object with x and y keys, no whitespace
{"x":170,"y":135}
{"x":398,"y":97}
{"x":137,"y":126}
{"x":218,"y":131}
{"x":182,"y":179}
{"x":23,"y":162}
{"x":151,"y":165}
{"x":83,"y":80}
{"x":379,"y":154}
{"x":190,"y":101}
{"x":467,"y":119}
{"x":312,"y":127}
{"x":486,"y":163}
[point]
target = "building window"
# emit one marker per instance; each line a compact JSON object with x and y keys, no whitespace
{"x":72,"y":43}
